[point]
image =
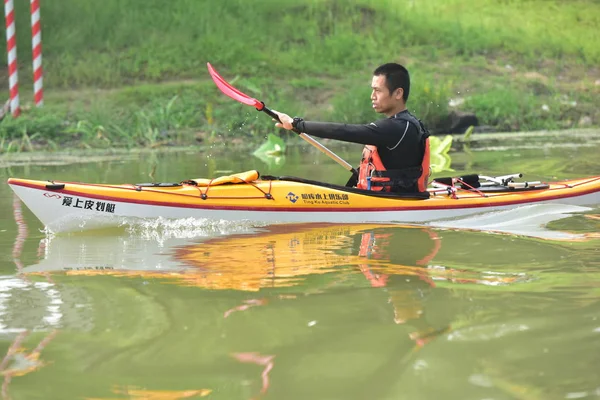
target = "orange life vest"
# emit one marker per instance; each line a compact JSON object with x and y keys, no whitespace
{"x":425,"y":168}
{"x":372,"y":174}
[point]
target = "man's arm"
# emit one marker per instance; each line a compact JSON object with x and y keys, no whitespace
{"x":379,"y":133}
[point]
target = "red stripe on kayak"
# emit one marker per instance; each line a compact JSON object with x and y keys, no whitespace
{"x":309,"y":209}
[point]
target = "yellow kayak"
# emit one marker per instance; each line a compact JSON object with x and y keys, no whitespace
{"x":71,"y":206}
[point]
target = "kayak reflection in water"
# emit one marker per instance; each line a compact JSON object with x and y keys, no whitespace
{"x":393,"y":258}
{"x":396,"y":154}
{"x":361,"y":294}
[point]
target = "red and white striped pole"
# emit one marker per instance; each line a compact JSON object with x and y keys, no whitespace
{"x":11,"y":48}
{"x":36,"y":47}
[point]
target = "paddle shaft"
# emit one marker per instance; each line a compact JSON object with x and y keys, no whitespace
{"x":312,"y":141}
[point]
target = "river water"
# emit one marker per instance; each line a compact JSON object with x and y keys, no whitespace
{"x":501,"y":306}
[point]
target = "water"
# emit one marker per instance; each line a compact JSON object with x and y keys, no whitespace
{"x":501,"y":306}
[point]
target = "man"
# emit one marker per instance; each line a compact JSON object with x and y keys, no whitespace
{"x":396,"y":153}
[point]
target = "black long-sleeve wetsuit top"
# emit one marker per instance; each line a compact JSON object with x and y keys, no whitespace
{"x":398,"y":141}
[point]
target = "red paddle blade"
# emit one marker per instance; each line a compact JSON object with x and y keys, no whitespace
{"x":232,"y":92}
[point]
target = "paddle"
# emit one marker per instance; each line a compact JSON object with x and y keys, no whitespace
{"x":235,"y":94}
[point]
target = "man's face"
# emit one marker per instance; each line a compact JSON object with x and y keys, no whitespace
{"x":384,"y":102}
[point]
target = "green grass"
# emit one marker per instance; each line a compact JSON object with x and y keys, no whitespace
{"x":525,"y":28}
{"x":111,"y":42}
{"x":305,"y":57}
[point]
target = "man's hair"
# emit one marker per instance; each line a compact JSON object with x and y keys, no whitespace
{"x":396,"y":76}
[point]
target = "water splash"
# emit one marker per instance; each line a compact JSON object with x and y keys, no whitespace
{"x":161,"y":229}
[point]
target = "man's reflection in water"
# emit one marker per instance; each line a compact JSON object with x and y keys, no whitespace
{"x":409,"y":285}
{"x":392,"y":259}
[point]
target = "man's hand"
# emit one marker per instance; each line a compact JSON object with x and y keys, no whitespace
{"x":286,"y":121}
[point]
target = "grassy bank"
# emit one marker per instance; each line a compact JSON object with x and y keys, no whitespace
{"x":124,"y":73}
